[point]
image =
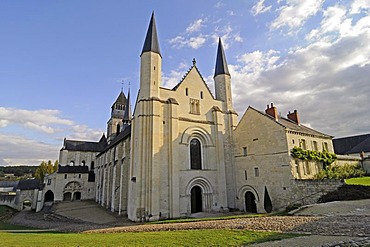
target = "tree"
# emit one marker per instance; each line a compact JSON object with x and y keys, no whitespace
{"x":46,"y":168}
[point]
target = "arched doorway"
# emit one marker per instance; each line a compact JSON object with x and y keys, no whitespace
{"x":27,"y":205}
{"x":67,"y":196}
{"x":250,"y":202}
{"x":196,"y":199}
{"x":49,"y":196}
{"x":77,"y":196}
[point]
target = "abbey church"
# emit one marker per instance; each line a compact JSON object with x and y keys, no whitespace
{"x":182,"y":150}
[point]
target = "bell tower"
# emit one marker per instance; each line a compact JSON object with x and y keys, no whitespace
{"x":115,"y":123}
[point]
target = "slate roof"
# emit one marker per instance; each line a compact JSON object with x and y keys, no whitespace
{"x":293,"y":126}
{"x":121,"y":99}
{"x":221,"y":64}
{"x":126,"y":132}
{"x":7,"y":184}
{"x":352,"y":144}
{"x":73,"y":145}
{"x":151,"y":40}
{"x":29,"y":184}
{"x":73,"y":169}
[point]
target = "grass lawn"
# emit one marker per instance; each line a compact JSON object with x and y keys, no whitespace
{"x":359,"y":181}
{"x":166,"y":238}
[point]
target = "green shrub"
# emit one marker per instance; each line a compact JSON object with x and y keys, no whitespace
{"x":340,"y":172}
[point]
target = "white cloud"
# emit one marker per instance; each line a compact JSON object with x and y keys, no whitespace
{"x":359,"y":5}
{"x":260,"y":8}
{"x":195,"y":26}
{"x":192,"y":42}
{"x":174,"y":77}
{"x":17,"y":150}
{"x":40,"y":120}
{"x":295,"y":13}
{"x":83,"y":132}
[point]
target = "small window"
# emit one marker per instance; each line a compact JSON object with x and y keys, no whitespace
{"x":154,"y":67}
{"x":79,"y":175}
{"x":245,"y":175}
{"x":325,"y":147}
{"x":293,"y":141}
{"x":314,"y":145}
{"x":303,"y":144}
{"x":256,"y":172}
{"x":201,"y":94}
{"x":65,"y":176}
{"x":83,"y":163}
{"x":245,"y":151}
{"x":194,"y":106}
{"x":307,"y":166}
{"x":49,"y":181}
{"x":92,"y":165}
{"x":118,"y":128}
{"x":71,"y":163}
{"x":186,"y":91}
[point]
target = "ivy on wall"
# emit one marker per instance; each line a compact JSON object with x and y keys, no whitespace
{"x":326,"y":157}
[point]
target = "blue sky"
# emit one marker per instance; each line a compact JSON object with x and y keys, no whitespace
{"x":62,"y":62}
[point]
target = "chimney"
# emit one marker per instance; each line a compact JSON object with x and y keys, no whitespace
{"x":294,"y":117}
{"x":272,"y":111}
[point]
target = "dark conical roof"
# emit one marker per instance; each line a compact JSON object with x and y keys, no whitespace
{"x":221,"y":64}
{"x":151,"y":40}
{"x":127,"y":115}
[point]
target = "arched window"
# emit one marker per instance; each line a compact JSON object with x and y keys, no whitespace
{"x":83,"y":163}
{"x":71,"y":163}
{"x":195,"y":154}
{"x":118,"y":128}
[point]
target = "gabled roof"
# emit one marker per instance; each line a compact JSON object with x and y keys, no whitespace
{"x":72,"y":145}
{"x":151,"y":40}
{"x":186,"y":74}
{"x":352,"y":144}
{"x":291,"y":125}
{"x":29,"y":184}
{"x":73,"y":169}
{"x":221,"y":64}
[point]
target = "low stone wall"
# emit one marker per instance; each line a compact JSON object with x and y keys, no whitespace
{"x":346,"y":159}
{"x":308,"y":191}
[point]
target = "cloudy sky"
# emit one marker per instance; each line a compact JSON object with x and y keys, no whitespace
{"x":62,"y":63}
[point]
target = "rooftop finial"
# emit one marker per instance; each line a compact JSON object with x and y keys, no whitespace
{"x":194,"y":62}
{"x":122,"y":85}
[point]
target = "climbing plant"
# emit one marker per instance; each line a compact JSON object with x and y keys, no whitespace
{"x":324,"y":156}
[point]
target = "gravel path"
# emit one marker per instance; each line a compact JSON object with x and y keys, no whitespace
{"x":343,"y":229}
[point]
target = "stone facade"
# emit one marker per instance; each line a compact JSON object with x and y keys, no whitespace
{"x":266,"y":169}
{"x":183,"y":151}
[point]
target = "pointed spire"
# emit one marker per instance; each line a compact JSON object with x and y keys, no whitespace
{"x":221,"y":65}
{"x":151,"y":40}
{"x":127,"y":114}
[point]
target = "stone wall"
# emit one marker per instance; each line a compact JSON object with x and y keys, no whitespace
{"x":306,"y":191}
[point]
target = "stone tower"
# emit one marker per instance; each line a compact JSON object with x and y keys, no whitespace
{"x":114,"y":124}
{"x":223,"y":92}
{"x":146,"y":133}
